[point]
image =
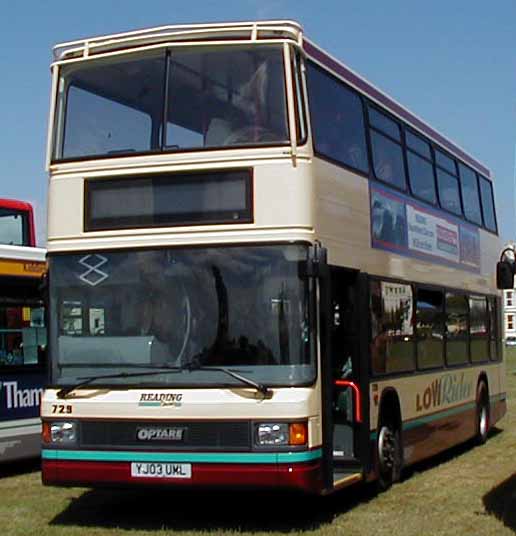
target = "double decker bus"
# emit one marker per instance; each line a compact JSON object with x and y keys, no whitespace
{"x":22,"y":332}
{"x":263,"y":271}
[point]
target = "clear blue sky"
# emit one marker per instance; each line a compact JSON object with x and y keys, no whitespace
{"x":453,"y":63}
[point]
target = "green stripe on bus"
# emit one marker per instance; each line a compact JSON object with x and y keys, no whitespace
{"x":176,"y":457}
{"x":436,"y":416}
{"x":425,"y":419}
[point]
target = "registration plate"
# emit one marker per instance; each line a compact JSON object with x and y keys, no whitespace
{"x":161,"y":470}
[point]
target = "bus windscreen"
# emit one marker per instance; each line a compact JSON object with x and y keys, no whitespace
{"x":243,"y":307}
{"x":182,"y":99}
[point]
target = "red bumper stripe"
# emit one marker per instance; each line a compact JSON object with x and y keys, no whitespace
{"x":306,"y":476}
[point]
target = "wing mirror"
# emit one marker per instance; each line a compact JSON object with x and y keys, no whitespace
{"x":505,"y":269}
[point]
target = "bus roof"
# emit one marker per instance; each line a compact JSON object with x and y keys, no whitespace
{"x":257,"y":31}
{"x":15,"y":204}
{"x":22,"y":253}
{"x":250,"y":31}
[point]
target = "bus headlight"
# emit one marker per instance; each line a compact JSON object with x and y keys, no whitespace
{"x":276,"y":434}
{"x":270,"y":434}
{"x":60,"y":432}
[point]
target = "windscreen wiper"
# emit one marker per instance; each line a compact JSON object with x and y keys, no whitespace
{"x":158,"y":369}
{"x":63,"y":393}
{"x":260,"y":387}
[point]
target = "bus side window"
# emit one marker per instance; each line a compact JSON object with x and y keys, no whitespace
{"x":392,"y":330}
{"x":337,"y":120}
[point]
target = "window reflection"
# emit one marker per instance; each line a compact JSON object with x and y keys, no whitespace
{"x":216,"y":97}
{"x":449,"y":192}
{"x":337,"y":120}
{"x":238,"y":306}
{"x":456,"y":329}
{"x":392,"y":345}
{"x":429,"y":328}
{"x":388,"y":160}
{"x":421,"y":173}
{"x":478,"y":329}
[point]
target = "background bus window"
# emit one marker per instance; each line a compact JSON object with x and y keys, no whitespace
{"x":479,"y":343}
{"x":337,"y":120}
{"x":22,"y":335}
{"x":13,"y":227}
{"x":429,"y":328}
{"x":392,"y":332}
{"x":456,"y":329}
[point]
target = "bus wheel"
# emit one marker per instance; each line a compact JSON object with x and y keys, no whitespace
{"x":389,"y":456}
{"x":482,"y":414}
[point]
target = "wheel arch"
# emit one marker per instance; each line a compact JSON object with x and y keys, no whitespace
{"x":389,"y":408}
{"x":482,"y":378}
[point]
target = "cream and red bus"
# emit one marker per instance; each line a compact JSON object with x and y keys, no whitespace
{"x":263,"y":271}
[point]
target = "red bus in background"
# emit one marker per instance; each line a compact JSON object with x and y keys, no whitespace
{"x":23,"y":336}
{"x":17,"y":223}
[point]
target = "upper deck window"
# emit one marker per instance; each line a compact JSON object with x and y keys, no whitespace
{"x":383,"y":123}
{"x":418,"y":145}
{"x":111,"y":108}
{"x":337,"y":120}
{"x":448,"y":183}
{"x":470,"y":195}
{"x":222,"y":97}
{"x":420,"y":168}
{"x":214,"y":97}
{"x":445,"y":162}
{"x":387,"y":151}
{"x":486,"y":193}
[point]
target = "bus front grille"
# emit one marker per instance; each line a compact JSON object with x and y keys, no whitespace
{"x":172,"y":434}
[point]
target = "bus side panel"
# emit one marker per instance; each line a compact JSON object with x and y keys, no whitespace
{"x":20,"y":425}
{"x":439,"y":410}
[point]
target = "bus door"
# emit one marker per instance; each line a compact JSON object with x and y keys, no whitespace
{"x":346,"y":411}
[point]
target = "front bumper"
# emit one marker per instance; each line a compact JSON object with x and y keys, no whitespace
{"x":295,"y":470}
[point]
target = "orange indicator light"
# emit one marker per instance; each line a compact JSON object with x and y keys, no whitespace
{"x":298,"y":433}
{"x":46,"y":433}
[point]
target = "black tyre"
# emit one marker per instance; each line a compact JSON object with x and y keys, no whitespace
{"x":483,"y":418}
{"x":390,"y":455}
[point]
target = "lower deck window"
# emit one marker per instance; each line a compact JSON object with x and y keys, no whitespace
{"x":22,"y":335}
{"x":392,"y":342}
{"x":429,"y":328}
{"x":456,"y":329}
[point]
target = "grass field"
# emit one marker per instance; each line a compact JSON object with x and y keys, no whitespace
{"x":467,"y":491}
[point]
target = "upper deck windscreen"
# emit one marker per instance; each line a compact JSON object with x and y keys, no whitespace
{"x":185,"y":98}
